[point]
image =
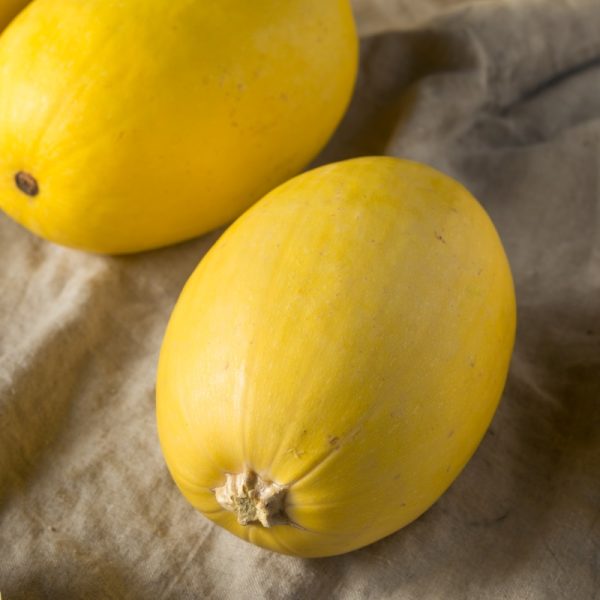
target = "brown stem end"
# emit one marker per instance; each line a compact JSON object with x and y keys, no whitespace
{"x":27,"y":184}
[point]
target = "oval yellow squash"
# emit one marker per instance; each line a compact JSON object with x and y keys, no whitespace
{"x":10,"y":9}
{"x":130,"y":125}
{"x":337,"y":356}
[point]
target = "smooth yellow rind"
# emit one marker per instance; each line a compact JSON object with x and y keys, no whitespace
{"x":149,"y":122}
{"x":348,"y":337}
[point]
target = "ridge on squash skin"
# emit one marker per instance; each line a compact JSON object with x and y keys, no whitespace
{"x":347,"y":338}
{"x":166,"y":119}
{"x":9,"y":9}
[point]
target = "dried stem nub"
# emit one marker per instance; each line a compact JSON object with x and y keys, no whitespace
{"x":252,"y":499}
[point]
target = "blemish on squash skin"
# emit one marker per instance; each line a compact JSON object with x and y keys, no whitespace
{"x":297,"y":453}
{"x":440,"y":237}
{"x":334,"y":441}
{"x":451,"y":433}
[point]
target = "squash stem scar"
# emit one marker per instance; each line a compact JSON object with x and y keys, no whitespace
{"x":27,"y":184}
{"x":253,"y":500}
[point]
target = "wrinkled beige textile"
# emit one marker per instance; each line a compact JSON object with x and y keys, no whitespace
{"x":503,"y":95}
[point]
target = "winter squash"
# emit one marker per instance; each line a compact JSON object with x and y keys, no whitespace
{"x":163,"y":120}
{"x":335,"y":359}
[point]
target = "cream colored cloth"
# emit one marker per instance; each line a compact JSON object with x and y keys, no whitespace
{"x":503,"y":95}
